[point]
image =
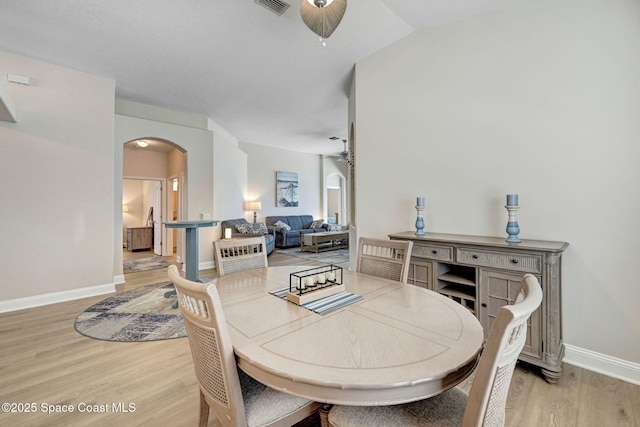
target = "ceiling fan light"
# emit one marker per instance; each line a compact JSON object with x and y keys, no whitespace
{"x":320,"y":3}
{"x":322,"y":16}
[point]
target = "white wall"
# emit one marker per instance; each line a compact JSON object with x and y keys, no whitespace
{"x":229,"y":176}
{"x":56,"y":166}
{"x":198,"y":144}
{"x":541,"y":99}
{"x":262,"y":164}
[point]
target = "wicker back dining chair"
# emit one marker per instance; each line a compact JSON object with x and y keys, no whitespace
{"x":235,"y":398}
{"x":384,"y":258}
{"x":240,"y":254}
{"x":486,"y":402}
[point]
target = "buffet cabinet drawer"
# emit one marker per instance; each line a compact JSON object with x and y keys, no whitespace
{"x":439,"y":253}
{"x":507,"y":261}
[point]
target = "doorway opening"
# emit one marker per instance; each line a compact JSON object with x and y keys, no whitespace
{"x":152,"y":194}
{"x":336,"y":199}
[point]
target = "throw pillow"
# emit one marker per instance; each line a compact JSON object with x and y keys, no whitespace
{"x":243,"y":228}
{"x":335,"y":228}
{"x":282,"y":225}
{"x":258,"y":228}
{"x":317,"y":223}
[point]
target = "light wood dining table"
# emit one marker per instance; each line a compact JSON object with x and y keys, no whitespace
{"x":400,"y":343}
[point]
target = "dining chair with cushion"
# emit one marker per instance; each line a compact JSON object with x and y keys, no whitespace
{"x":235,"y":398}
{"x":388,"y":259}
{"x":486,"y":402}
{"x":236,"y":255}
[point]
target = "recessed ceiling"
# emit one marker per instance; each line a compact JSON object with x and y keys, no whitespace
{"x":152,"y":145}
{"x":264,"y":78}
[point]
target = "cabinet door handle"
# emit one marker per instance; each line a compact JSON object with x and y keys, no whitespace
{"x":434,"y":252}
{"x":515,"y":261}
{"x":474,"y":256}
{"x":484,"y":304}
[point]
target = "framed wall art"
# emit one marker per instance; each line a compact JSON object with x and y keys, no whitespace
{"x":286,"y":189}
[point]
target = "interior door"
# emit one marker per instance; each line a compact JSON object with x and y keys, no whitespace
{"x":157,"y":219}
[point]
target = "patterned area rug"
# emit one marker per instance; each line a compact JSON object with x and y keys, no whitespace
{"x":329,"y":257}
{"x":141,"y":314}
{"x":144,"y":264}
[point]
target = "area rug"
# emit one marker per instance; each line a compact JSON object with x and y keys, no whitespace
{"x":144,"y":264}
{"x":141,"y":314}
{"x":338,"y":256}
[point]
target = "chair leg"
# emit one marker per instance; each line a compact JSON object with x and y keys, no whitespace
{"x":324,"y":415}
{"x":204,"y":411}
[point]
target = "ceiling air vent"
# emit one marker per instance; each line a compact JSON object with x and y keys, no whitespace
{"x":276,"y":6}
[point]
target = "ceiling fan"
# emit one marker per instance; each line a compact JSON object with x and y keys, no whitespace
{"x":344,"y":156}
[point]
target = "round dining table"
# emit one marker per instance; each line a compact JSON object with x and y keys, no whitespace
{"x":398,"y":344}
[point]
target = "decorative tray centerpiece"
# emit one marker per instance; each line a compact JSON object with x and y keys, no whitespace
{"x":315,"y":283}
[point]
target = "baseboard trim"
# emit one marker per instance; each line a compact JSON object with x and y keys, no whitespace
{"x":206,"y":265}
{"x":55,"y":297}
{"x":602,"y":363}
{"x":118,"y":280}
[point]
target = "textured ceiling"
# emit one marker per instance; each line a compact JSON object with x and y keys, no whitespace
{"x":264,"y":78}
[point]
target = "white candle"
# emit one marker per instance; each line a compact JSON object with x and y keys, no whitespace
{"x":420,"y":201}
{"x":321,"y":278}
{"x":331,"y":276}
{"x":308,"y":282}
{"x":227,"y":233}
{"x":512,"y":200}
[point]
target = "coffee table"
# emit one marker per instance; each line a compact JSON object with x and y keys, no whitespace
{"x":326,"y":241}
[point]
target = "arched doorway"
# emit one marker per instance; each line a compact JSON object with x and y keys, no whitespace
{"x":153,"y":192}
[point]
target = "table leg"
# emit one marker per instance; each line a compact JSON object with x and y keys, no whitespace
{"x":192,"y":261}
{"x":192,"y":254}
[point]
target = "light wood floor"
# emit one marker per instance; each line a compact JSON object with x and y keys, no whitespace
{"x":44,"y":361}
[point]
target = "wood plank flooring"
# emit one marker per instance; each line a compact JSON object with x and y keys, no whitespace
{"x":45,"y":363}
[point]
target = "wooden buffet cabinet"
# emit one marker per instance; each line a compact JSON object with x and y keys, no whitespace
{"x":484,"y":273}
{"x":139,"y":238}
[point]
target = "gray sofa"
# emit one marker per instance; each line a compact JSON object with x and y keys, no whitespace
{"x":300,"y":224}
{"x":231,"y":223}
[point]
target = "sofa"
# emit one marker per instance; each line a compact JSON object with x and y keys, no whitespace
{"x":231,"y":223}
{"x":299,"y":224}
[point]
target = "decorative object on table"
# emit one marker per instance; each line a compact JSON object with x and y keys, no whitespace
{"x":315,"y":283}
{"x":227,"y":233}
{"x":140,"y":314}
{"x":322,"y":16}
{"x":144,"y":264}
{"x":513,"y":229}
{"x":419,"y":218}
{"x":254,"y":206}
{"x":286,"y":189}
